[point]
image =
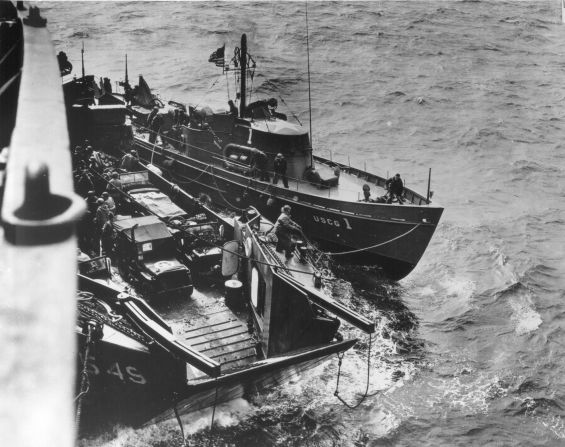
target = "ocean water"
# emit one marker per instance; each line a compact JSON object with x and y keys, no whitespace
{"x":470,"y":349}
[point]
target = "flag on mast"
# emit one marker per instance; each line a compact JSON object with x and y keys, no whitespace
{"x":217,"y":57}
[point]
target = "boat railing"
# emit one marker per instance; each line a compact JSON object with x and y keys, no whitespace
{"x":38,"y":248}
{"x":412,"y":196}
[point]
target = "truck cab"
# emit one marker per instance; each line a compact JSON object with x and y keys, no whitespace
{"x":147,"y":257}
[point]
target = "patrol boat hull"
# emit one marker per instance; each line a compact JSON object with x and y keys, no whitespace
{"x":392,"y":237}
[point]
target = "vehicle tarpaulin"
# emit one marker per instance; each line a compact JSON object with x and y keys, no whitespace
{"x":149,"y":228}
{"x":158,"y":203}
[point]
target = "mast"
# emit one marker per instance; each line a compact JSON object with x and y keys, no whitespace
{"x":126,"y":80}
{"x":309,"y":89}
{"x":243,"y":62}
{"x":82,"y":58}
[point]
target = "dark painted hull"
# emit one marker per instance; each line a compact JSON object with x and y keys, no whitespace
{"x":127,"y":386}
{"x":391,"y":237}
{"x":131,"y":387}
{"x":257,"y":379}
{"x":134,"y":377}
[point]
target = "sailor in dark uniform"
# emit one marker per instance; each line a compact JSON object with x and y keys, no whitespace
{"x":155,"y":127}
{"x":233,"y":108}
{"x":150,"y":117}
{"x":279,"y":166}
{"x":366,"y":194}
{"x":260,"y":164}
{"x":395,"y":188}
{"x":285,"y":228}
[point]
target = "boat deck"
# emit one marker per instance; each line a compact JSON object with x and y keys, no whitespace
{"x":294,"y":266}
{"x":350,"y":187}
{"x":206,"y":324}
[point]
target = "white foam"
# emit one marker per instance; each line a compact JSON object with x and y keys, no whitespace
{"x":226,"y":415}
{"x":524,"y":316}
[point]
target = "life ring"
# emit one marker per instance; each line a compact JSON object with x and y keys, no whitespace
{"x":85,"y":296}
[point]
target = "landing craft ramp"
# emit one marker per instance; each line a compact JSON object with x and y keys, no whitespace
{"x":207,"y":325}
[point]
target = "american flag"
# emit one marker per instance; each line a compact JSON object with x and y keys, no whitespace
{"x":218,"y":56}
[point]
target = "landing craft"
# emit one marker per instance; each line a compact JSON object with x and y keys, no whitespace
{"x":143,"y":364}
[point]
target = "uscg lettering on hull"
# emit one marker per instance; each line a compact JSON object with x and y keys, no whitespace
{"x":332,"y":222}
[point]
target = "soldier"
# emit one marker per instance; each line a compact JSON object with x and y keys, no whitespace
{"x":129,"y":161}
{"x":102,"y":213}
{"x":91,"y":202}
{"x":107,"y":237}
{"x":109,"y":202}
{"x":114,"y":187}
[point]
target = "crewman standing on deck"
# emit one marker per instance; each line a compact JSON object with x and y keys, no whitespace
{"x":155,"y":125}
{"x":233,"y":109}
{"x":366,"y":194}
{"x":260,"y":162}
{"x":150,"y":117}
{"x":285,"y":228}
{"x":395,"y":188}
{"x":279,"y":166}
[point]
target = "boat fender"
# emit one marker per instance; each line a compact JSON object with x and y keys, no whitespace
{"x":271,"y":201}
{"x":85,"y":296}
{"x":175,"y":190}
{"x":168,"y":163}
{"x":221,"y":231}
{"x":154,"y":169}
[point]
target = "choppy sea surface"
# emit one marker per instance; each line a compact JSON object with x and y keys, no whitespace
{"x":470,"y":349}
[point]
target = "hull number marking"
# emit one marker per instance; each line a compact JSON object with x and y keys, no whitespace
{"x":332,"y":222}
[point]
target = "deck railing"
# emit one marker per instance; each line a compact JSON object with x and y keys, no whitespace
{"x":38,"y":256}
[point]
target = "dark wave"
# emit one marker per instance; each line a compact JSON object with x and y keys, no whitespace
{"x":79,"y":35}
{"x":141,"y":31}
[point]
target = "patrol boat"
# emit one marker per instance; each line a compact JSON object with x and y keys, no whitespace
{"x":141,"y":364}
{"x":214,"y":154}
